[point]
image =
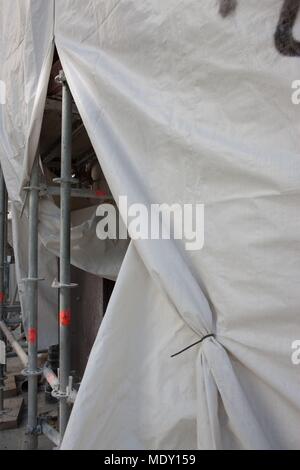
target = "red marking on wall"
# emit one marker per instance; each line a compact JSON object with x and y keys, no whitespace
{"x":100,"y":193}
{"x":32,"y":335}
{"x":65,"y":317}
{"x":2,"y":297}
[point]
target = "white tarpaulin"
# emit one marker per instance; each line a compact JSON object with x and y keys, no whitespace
{"x":184,"y":106}
{"x":26,"y":50}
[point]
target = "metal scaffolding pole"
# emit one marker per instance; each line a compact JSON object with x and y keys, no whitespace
{"x":3,"y":231}
{"x":32,"y":309}
{"x":65,"y":268}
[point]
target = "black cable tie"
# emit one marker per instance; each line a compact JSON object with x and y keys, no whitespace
{"x":192,"y":345}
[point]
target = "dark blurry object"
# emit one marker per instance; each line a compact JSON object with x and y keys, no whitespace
{"x":53,"y":363}
{"x":227,"y":7}
{"x":285,"y":42}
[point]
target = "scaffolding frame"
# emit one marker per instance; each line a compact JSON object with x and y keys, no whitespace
{"x":62,"y":383}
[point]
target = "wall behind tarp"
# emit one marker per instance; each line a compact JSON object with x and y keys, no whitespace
{"x":184,"y":106}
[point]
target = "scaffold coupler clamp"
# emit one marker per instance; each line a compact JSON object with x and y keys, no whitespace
{"x":57,"y":285}
{"x":31,"y":187}
{"x":69,"y":395}
{"x":61,"y":78}
{"x":34,"y":430}
{"x":32,"y":372}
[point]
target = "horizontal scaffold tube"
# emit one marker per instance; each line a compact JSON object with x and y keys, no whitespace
{"x":14,"y":344}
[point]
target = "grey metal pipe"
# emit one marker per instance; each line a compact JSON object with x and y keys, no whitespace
{"x":51,"y":378}
{"x":13,"y":308}
{"x":13,"y":354}
{"x":51,"y":433}
{"x":72,"y":396}
{"x":3,"y":231}
{"x":65,"y":268}
{"x":32,"y":309}
{"x":14,"y":344}
{"x":15,"y":295}
{"x":79,"y":193}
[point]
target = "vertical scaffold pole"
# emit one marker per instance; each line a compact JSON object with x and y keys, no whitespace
{"x":3,"y":231}
{"x":65,"y":267}
{"x":32,"y":311}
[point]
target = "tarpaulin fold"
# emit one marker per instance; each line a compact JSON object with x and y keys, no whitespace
{"x":182,"y":105}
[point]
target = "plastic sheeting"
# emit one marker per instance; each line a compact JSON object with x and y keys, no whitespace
{"x":184,"y":106}
{"x":26,"y":53}
{"x":26,"y":50}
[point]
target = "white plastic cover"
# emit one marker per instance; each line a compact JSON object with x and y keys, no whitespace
{"x":182,"y":105}
{"x":26,"y":50}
